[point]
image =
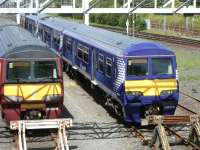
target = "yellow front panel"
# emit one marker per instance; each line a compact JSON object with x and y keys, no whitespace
{"x":32,"y":91}
{"x":151,"y":87}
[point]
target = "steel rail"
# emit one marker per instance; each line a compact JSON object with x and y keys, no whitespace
{"x":186,"y":142}
{"x":139,"y":135}
{"x":183,"y":107}
{"x":194,"y":98}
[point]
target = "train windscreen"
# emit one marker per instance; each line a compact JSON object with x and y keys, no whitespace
{"x":18,"y":70}
{"x":162,"y":66}
{"x":137,"y":67}
{"x":45,"y":69}
{"x":31,"y":71}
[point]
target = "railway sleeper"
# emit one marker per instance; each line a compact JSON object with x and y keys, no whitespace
{"x":159,"y":139}
{"x":24,"y":125}
{"x":194,"y":135}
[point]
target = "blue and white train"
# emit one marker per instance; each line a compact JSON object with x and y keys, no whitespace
{"x":138,"y":77}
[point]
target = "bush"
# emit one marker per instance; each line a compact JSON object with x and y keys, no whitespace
{"x":140,"y":24}
{"x":122,"y":20}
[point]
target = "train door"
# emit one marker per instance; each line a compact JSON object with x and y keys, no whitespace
{"x":94,"y":65}
{"x":73,"y":53}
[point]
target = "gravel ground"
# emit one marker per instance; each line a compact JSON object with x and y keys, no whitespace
{"x":93,"y":127}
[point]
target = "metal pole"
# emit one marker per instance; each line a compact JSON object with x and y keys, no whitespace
{"x":133,"y":20}
{"x":187,"y":23}
{"x":115,"y":3}
{"x":165,"y":23}
{"x":155,"y":3}
{"x":74,"y":5}
{"x":86,"y":15}
{"x":195,"y":3}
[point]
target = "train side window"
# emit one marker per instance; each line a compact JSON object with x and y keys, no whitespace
{"x":34,"y":28}
{"x":68,"y":44}
{"x":83,"y":53}
{"x":101,"y":63}
{"x":80,"y":54}
{"x":108,"y":67}
{"x":47,"y":37}
{"x":56,"y":41}
{"x":40,"y":33}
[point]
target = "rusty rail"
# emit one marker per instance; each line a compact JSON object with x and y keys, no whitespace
{"x":186,"y":142}
{"x":194,"y":98}
{"x":185,"y":108}
{"x":159,"y":133}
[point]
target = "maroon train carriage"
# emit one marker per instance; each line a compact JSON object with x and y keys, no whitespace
{"x":30,"y":77}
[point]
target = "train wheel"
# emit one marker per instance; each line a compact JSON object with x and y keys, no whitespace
{"x":67,"y":68}
{"x":2,"y":115}
{"x":118,"y":111}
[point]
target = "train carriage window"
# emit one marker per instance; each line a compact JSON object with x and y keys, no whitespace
{"x":26,"y":25}
{"x":85,"y":55}
{"x":108,"y":67}
{"x":56,"y":41}
{"x":101,"y":63}
{"x":83,"y":52}
{"x":80,"y":54}
{"x":47,"y":37}
{"x":40,"y":33}
{"x":68,"y":44}
{"x":34,"y":28}
{"x":137,"y":67}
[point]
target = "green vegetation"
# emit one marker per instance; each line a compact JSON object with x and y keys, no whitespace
{"x":188,"y":64}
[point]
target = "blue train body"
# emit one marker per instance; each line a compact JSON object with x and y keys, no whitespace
{"x":138,"y":77}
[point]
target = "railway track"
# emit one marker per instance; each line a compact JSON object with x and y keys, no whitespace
{"x":192,"y":98}
{"x":159,"y":37}
{"x":172,"y":131}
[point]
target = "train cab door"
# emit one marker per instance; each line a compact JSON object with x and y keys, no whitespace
{"x":94,"y":65}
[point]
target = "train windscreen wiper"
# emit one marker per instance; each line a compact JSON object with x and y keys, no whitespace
{"x":47,"y":79}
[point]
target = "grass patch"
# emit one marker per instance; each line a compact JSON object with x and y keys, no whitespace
{"x":188,"y":64}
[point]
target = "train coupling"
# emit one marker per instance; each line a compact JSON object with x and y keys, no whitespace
{"x":61,"y":125}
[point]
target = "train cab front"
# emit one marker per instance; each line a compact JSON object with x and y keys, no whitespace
{"x":151,"y":86}
{"x":33,"y":89}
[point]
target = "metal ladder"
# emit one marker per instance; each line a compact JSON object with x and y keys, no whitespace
{"x":23,"y":125}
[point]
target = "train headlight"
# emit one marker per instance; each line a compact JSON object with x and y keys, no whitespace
{"x":135,"y":93}
{"x":167,"y":92}
{"x":52,"y":98}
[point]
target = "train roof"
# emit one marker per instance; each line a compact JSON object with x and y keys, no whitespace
{"x":16,"y":42}
{"x":112,"y":42}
